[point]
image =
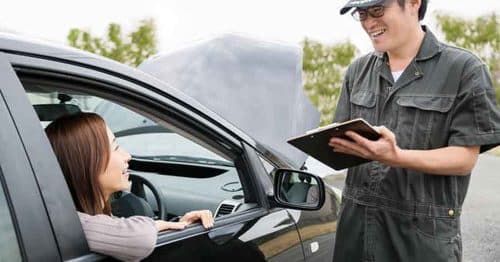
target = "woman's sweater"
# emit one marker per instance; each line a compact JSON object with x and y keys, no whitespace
{"x":127,"y":239}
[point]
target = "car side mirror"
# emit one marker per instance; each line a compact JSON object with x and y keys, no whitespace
{"x":298,"y":190}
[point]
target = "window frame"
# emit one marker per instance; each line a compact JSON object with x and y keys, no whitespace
{"x":9,"y":217}
{"x":159,"y":106}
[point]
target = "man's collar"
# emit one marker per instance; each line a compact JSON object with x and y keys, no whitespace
{"x":429,"y":48}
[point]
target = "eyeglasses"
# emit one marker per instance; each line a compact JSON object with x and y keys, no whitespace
{"x":361,"y":14}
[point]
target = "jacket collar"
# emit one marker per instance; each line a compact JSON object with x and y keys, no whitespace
{"x":429,"y":48}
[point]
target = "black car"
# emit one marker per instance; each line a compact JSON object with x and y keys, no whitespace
{"x":185,"y":157}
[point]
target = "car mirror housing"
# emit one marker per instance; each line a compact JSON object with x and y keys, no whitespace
{"x":298,"y":190}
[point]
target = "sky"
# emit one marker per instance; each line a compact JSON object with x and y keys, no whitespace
{"x":183,"y":21}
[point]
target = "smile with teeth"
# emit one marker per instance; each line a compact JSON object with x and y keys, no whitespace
{"x":377,"y":33}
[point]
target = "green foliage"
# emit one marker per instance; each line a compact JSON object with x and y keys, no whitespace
{"x":480,"y":35}
{"x":131,"y":50}
{"x":324,"y":67}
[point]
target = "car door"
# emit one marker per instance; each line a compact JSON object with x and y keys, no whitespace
{"x":260,"y":233}
{"x":31,"y":183}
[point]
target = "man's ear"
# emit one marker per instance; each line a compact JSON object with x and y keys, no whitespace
{"x":414,"y":6}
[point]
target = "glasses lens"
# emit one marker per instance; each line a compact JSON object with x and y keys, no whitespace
{"x":362,"y":14}
{"x":377,"y":11}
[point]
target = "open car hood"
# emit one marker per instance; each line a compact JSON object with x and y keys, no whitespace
{"x":256,"y":85}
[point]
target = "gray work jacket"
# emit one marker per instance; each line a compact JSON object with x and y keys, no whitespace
{"x":443,"y":98}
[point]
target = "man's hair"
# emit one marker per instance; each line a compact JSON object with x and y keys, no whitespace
{"x":421,"y":11}
{"x":81,"y":145}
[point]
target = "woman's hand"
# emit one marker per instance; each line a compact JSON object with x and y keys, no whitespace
{"x":204,"y":215}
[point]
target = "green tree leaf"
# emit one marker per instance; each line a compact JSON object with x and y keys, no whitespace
{"x":323,"y":69}
{"x":133,"y":49}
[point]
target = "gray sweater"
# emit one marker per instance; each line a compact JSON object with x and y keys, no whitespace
{"x":127,"y":239}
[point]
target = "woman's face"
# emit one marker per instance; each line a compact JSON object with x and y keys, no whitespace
{"x":115,"y":177}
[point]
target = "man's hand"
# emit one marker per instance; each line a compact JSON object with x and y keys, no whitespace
{"x":384,"y":150}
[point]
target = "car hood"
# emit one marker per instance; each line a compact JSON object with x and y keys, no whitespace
{"x":256,"y":85}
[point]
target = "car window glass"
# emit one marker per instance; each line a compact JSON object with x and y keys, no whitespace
{"x":190,"y":175}
{"x":9,"y":248}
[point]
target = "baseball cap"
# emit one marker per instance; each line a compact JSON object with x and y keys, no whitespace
{"x":359,"y":3}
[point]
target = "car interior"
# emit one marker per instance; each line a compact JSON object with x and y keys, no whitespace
{"x":173,"y":171}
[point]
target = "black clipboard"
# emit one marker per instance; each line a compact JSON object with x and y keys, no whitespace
{"x":315,"y":142}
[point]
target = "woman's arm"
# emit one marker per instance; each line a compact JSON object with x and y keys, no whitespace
{"x":127,"y":239}
{"x":164,"y":225}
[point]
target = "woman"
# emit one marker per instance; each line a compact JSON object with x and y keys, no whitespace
{"x":94,"y":167}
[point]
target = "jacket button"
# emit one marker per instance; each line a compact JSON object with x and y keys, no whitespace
{"x":417,"y":73}
{"x":451,"y":212}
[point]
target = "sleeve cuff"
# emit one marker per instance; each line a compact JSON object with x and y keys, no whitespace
{"x":486,"y":141}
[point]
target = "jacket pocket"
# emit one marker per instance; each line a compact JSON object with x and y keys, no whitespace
{"x":439,"y":229}
{"x":436,"y":239}
{"x":363,"y":105}
{"x":419,"y":116}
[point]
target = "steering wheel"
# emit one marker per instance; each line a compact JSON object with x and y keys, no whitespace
{"x":137,"y":188}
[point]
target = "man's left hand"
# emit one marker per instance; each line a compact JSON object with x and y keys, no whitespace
{"x":384,"y":150}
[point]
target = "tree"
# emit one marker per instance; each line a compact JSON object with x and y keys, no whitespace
{"x":324,"y":67}
{"x":480,"y":35}
{"x":132,"y":50}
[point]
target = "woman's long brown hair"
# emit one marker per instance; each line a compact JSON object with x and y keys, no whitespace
{"x":80,"y":142}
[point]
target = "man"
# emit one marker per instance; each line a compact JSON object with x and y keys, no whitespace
{"x":436,"y":109}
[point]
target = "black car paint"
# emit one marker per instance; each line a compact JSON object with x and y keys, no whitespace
{"x":46,"y":223}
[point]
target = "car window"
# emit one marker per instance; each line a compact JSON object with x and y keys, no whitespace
{"x":189,"y":173}
{"x":138,"y":134}
{"x":9,"y":247}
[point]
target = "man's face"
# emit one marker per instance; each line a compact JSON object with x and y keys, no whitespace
{"x":392,"y":30}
